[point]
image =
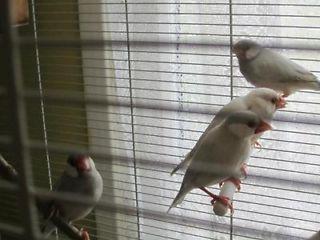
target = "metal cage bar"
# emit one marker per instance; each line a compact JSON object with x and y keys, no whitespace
{"x":19,"y":127}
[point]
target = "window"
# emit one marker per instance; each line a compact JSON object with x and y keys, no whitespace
{"x":165,"y":69}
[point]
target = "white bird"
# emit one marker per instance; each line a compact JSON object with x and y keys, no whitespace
{"x":221,"y":154}
{"x":82,"y":178}
{"x":263,"y":67}
{"x":262,"y":101}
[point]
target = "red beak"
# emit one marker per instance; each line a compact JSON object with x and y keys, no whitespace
{"x":281,"y":103}
{"x":263,"y":127}
{"x":82,"y":164}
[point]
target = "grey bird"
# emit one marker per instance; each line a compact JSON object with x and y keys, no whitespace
{"x":82,"y":178}
{"x":262,"y":101}
{"x":263,"y":67}
{"x":221,"y":153}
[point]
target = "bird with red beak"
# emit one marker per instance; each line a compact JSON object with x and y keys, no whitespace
{"x":221,"y":154}
{"x":262,"y":101}
{"x":264,"y":67}
{"x":81,"y":178}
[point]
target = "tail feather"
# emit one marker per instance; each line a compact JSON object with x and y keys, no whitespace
{"x":179,"y":198}
{"x":317,"y":84}
{"x":312,"y":81}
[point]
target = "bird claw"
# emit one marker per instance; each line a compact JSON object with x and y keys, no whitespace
{"x":235,"y":181}
{"x":224,"y":200}
{"x":257,"y":145}
{"x":84,"y":234}
{"x":244,"y":170}
{"x":281,"y":102}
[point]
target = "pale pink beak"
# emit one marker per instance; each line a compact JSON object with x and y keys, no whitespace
{"x":281,"y":103}
{"x":82,"y":164}
{"x":263,"y":127}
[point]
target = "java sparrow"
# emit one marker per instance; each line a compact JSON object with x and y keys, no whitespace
{"x":81,"y":178}
{"x":264,"y":67}
{"x":221,"y":153}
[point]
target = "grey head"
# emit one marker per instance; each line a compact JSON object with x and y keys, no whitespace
{"x":79,"y":165}
{"x":268,"y":96}
{"x":246,"y":49}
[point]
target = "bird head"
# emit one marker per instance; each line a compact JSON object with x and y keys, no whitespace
{"x":246,"y":49}
{"x":246,"y":123}
{"x":79,"y":164}
{"x":265,"y":102}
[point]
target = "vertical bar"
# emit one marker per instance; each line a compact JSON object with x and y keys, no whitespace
{"x":231,"y":44}
{"x":231,"y":84}
{"x":132,"y":124}
{"x":43,"y":118}
{"x":45,"y":137}
{"x":18,"y":120}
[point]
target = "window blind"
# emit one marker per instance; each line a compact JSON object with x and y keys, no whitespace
{"x":176,"y":55}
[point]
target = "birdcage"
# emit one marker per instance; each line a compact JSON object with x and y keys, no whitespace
{"x":134,"y":84}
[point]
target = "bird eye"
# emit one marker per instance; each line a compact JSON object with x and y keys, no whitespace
{"x":250,"y":124}
{"x":71,"y":161}
{"x":274,"y":100}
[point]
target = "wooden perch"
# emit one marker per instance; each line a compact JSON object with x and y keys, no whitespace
{"x":8,"y":173}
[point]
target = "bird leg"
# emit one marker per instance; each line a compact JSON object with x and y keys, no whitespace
{"x":235,"y":181}
{"x":224,"y":200}
{"x":84,"y":234}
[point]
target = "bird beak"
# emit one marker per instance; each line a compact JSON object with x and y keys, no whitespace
{"x":82,"y":164}
{"x":263,"y":127}
{"x":281,"y":103}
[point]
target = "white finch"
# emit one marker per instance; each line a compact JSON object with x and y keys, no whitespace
{"x":263,"y":67}
{"x":262,"y":101}
{"x":82,"y":178}
{"x":221,"y":154}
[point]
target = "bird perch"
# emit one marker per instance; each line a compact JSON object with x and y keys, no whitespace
{"x":227,"y":190}
{"x":8,"y":173}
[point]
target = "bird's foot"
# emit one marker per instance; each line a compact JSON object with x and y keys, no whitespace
{"x":224,"y":200}
{"x":257,"y":145}
{"x":244,"y":170}
{"x":281,"y":102}
{"x":84,"y":234}
{"x":235,"y":181}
